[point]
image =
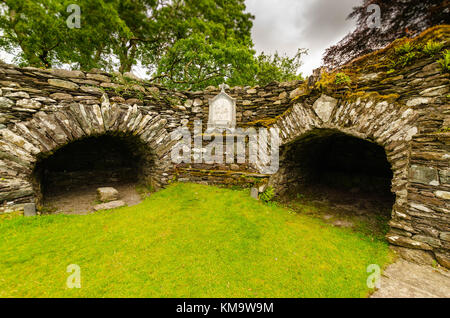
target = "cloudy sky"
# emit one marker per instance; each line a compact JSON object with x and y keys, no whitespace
{"x":286,"y":25}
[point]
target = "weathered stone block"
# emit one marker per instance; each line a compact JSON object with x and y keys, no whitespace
{"x":5,"y":102}
{"x":99,"y":77}
{"x":443,"y":259}
{"x":424,"y":175}
{"x":324,"y":107}
{"x":445,"y":236}
{"x":107,"y":194}
{"x":444,"y":176}
{"x":67,"y":73}
{"x":18,"y":95}
{"x":442,"y":195}
{"x":254,"y":193}
{"x":407,"y":242}
{"x":29,"y":209}
{"x":415,"y":256}
{"x":28,"y":103}
{"x":63,"y":84}
{"x":429,"y":240}
{"x":435,"y":91}
{"x":418,"y":101}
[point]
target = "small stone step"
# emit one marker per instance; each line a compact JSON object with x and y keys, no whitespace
{"x":109,"y":205}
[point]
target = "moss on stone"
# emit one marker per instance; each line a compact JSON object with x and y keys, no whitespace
{"x":374,"y":96}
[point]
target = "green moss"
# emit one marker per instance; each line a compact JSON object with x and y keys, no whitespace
{"x":443,"y":130}
{"x":374,"y":96}
{"x":268,"y":122}
{"x":433,"y":48}
{"x":401,"y":52}
{"x":445,"y":61}
{"x":342,"y":79}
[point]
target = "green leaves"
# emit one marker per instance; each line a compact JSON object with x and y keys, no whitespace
{"x":184,"y":44}
{"x":445,"y":61}
{"x":278,"y":68}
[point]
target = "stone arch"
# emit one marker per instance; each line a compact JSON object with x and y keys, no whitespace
{"x":388,"y":124}
{"x":24,"y":143}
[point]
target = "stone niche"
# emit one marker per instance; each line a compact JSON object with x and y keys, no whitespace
{"x":222,"y":111}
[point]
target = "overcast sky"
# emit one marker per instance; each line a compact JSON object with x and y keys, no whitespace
{"x":286,"y":25}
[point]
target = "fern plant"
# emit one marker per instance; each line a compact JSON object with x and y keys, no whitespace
{"x":342,"y":79}
{"x":404,"y":48}
{"x":432,"y":48}
{"x":267,"y":195}
{"x":445,"y":61}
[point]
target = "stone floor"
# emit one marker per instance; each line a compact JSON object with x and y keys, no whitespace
{"x":407,"y":280}
{"x":82,"y":200}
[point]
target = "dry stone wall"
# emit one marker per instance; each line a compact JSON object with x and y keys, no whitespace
{"x":404,"y":109}
{"x":43,"y":110}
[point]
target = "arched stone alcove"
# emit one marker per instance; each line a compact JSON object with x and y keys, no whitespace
{"x":47,"y":146}
{"x":341,"y":170}
{"x":111,"y":159}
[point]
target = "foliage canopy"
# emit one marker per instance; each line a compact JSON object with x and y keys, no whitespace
{"x":184,"y":44}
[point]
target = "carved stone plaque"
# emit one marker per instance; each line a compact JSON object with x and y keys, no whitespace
{"x":222,"y":111}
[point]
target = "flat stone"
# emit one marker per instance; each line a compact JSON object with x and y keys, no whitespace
{"x":443,"y":259}
{"x":297,"y":92}
{"x":435,"y":91}
{"x":445,"y":236}
{"x":442,"y":195}
{"x":424,"y":175}
{"x":132,"y":76}
{"x":63,"y":84}
{"x":342,"y":223}
{"x":234,"y":167}
{"x":43,"y":99}
{"x":254,"y":193}
{"x":29,"y":209}
{"x":92,"y":90}
{"x":429,"y":240}
{"x":5,"y":102}
{"x":370,"y":77}
{"x":197,"y":102}
{"x":407,"y":242}
{"x":444,"y":176}
{"x":61,"y":96}
{"x":99,"y":77}
{"x":28,"y":103}
{"x":324,"y":107}
{"x":283,"y":95}
{"x":109,"y":206}
{"x":415,"y":256}
{"x":67,"y":73}
{"x":153,"y":90}
{"x":110,"y":85}
{"x":107,"y":194}
{"x":418,"y":101}
{"x":18,"y":95}
{"x":404,"y":279}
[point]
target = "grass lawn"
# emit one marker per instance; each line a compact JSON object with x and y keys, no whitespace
{"x":188,"y":240}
